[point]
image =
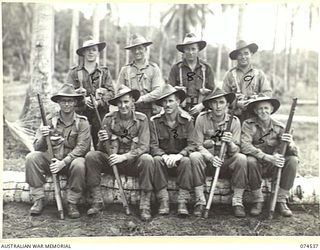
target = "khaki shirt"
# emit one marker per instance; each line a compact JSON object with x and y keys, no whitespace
{"x":207,"y":128}
{"x":167,"y":140}
{"x":252,"y":82}
{"x":133,"y":134}
{"x":68,"y":141}
{"x":257,"y":142}
{"x":99,"y":78}
{"x":192,"y":80}
{"x":148,"y":80}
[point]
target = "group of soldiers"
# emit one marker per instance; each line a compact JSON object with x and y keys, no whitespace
{"x":163,"y":129}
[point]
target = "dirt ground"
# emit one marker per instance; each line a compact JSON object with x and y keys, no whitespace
{"x":113,"y":222}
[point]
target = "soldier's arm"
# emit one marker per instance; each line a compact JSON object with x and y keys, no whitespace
{"x":197,"y":137}
{"x":72,"y":79}
{"x":121,"y":79}
{"x":234,"y":146}
{"x":143,"y":141}
{"x":210,"y":75}
{"x":189,"y":148}
{"x":83,"y":142}
{"x":108,"y":85}
{"x":155,"y":150}
{"x":172,"y":75}
{"x":247,"y":139}
{"x":39,"y":143}
{"x":105,"y":124}
{"x":292,"y":148}
{"x":265,"y":86}
{"x":226,"y":83}
{"x":157,"y":84}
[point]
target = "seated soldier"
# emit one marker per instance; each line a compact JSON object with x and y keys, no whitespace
{"x":170,"y":133}
{"x":209,"y":133}
{"x":70,"y":137}
{"x":131,"y":130}
{"x":260,"y":140}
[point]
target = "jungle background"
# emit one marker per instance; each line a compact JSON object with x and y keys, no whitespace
{"x":38,"y":48}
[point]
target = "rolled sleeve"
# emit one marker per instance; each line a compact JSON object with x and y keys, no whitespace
{"x":40,"y":144}
{"x":210,"y":75}
{"x":226,"y":83}
{"x":197,"y":137}
{"x":83,"y":143}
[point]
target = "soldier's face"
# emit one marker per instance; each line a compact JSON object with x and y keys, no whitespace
{"x":191,"y":52}
{"x":125,"y":104}
{"x":244,"y":57}
{"x":67,"y":104}
{"x":139,"y":52}
{"x":90,"y":54}
{"x":219,"y":106}
{"x":170,"y":104}
{"x":263,"y":110}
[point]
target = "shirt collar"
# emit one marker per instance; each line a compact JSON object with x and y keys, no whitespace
{"x":60,"y":118}
{"x":145,"y":65}
{"x":249,"y":69}
{"x":184,"y":62}
{"x":97,"y":67}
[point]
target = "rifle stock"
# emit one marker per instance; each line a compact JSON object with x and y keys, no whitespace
{"x":222,"y":154}
{"x":112,"y":147}
{"x":57,"y":189}
{"x":283,"y":149}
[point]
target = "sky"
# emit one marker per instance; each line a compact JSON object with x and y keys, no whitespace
{"x":259,"y":22}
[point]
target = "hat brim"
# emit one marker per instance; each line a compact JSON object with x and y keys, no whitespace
{"x":201,"y":44}
{"x":101,"y":46}
{"x":134,"y":92}
{"x":138,"y":44}
{"x":78,"y":97}
{"x":230,"y":97}
{"x":179,"y":92}
{"x":252,"y":47}
{"x":274,"y":102}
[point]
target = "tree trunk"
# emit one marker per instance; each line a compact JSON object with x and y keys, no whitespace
{"x":274,"y":57}
{"x":128,"y":41}
{"x":105,"y":32}
{"x":96,"y":24}
{"x":218,"y":66}
{"x":74,"y":39}
{"x":285,"y":76}
{"x":240,"y":22}
{"x":41,"y":65}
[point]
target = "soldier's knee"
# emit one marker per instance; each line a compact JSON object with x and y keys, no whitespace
{"x":157,"y":159}
{"x":78,"y":165}
{"x":185,"y":162}
{"x":292,"y":162}
{"x":252,"y":162}
{"x":195,"y":157}
{"x":146,"y":158}
{"x":91,"y":156}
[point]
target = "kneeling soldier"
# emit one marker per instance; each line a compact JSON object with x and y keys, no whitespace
{"x":170,"y":134}
{"x":70,"y":137}
{"x":260,"y":141}
{"x":208,"y":135}
{"x":131,"y":130}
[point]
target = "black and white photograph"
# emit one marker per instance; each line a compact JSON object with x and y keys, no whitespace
{"x":160,"y":119}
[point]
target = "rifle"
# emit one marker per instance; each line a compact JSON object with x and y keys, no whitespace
{"x":112,"y":147}
{"x":57,"y":189}
{"x":283,"y":149}
{"x":222,"y":154}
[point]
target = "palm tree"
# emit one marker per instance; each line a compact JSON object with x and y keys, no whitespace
{"x":74,"y":38}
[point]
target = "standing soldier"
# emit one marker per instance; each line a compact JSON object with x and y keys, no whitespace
{"x":192,"y":74}
{"x":260,"y":141}
{"x":208,"y":135}
{"x":131,"y":130}
{"x":90,"y":78}
{"x":170,"y":135}
{"x":70,"y":137}
{"x":142,"y":75}
{"x":244,"y":80}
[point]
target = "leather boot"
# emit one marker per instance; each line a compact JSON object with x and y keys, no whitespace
{"x":256,"y":209}
{"x":37,"y":207}
{"x":239,"y":211}
{"x":182,"y":209}
{"x":284,"y":210}
{"x":95,"y":208}
{"x":145,"y":214}
{"x":164,"y":207}
{"x":198,"y":210}
{"x":73,"y":211}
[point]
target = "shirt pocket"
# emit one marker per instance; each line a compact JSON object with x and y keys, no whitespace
{"x":72,"y":139}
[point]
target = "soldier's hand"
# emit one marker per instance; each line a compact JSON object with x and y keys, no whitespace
{"x":226,"y":137}
{"x":278,"y":160}
{"x":44,"y":130}
{"x":103,"y":135}
{"x":116,"y":159}
{"x":173,"y":160}
{"x":196,"y":109}
{"x":56,"y":165}
{"x":217,"y":162}
{"x":286,"y":138}
{"x":81,"y":91}
{"x":90,"y":104}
